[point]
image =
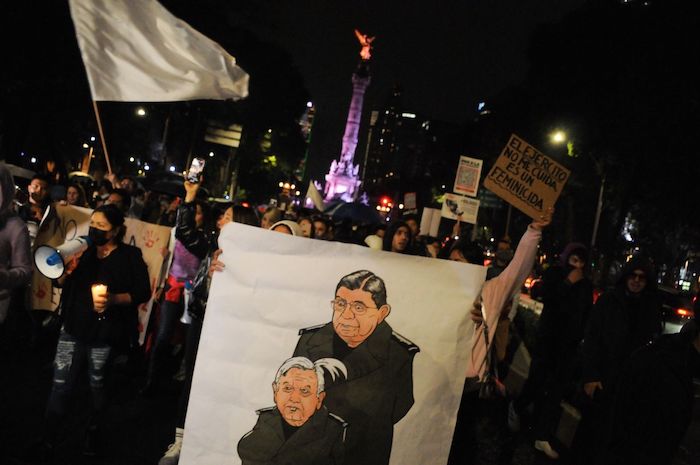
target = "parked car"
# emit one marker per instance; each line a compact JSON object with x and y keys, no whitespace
{"x":677,"y":309}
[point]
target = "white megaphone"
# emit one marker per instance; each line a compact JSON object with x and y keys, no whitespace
{"x":51,"y":262}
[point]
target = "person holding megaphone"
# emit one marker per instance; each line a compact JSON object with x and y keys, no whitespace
{"x":102,"y":288}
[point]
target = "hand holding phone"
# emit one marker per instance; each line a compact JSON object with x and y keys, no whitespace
{"x":195,"y":170}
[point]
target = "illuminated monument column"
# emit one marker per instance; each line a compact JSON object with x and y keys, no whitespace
{"x":342,"y":181}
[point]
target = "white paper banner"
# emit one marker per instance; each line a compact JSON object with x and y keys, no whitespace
{"x":273,"y":286}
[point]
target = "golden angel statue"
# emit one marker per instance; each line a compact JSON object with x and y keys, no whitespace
{"x":366,"y":44}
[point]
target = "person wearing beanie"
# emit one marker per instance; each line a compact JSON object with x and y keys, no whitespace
{"x":567,"y":298}
{"x":623,"y":320}
{"x":287,"y":227}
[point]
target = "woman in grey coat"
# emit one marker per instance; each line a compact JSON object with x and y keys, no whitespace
{"x":15,"y":258}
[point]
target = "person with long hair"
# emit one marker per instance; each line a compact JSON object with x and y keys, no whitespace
{"x":95,"y":320}
{"x":75,"y":195}
{"x":15,"y":257}
{"x":191,"y":247}
{"x":271,"y":216}
{"x":196,"y":311}
{"x":398,"y":238}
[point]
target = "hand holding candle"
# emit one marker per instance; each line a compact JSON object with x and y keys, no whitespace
{"x":99,"y":297}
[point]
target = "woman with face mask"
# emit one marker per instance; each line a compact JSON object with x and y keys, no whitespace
{"x":95,"y":321}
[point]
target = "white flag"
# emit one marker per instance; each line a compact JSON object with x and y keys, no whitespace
{"x":315,"y":196}
{"x":137,"y":51}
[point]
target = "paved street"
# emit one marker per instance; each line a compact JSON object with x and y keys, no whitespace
{"x":137,"y":430}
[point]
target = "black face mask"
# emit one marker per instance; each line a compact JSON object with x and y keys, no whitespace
{"x":98,"y":236}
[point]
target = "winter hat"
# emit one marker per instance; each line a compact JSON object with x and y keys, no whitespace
{"x":573,"y":248}
{"x":294,"y":228}
{"x":638,"y":262}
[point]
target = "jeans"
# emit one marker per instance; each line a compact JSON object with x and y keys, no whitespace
{"x":170,"y":313}
{"x":480,"y":436}
{"x":71,"y":356}
{"x":194,"y":331}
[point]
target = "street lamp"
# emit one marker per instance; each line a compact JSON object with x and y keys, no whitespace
{"x":141,"y":111}
{"x":559,"y":137}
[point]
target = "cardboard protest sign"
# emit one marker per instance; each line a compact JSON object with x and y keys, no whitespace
{"x":341,"y":353}
{"x":153,"y":240}
{"x":468,"y":176}
{"x":526,"y":178}
{"x":70,"y":222}
{"x":460,"y":207}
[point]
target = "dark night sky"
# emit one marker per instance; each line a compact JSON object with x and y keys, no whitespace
{"x":446,"y":55}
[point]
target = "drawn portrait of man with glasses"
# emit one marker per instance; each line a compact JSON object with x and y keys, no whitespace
{"x":378,"y":389}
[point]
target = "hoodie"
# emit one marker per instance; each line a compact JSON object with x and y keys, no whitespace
{"x":15,"y":257}
{"x":573,"y":248}
{"x":620,"y":323}
{"x":389,"y":237}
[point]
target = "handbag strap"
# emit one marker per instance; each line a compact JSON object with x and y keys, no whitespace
{"x":491,"y":368}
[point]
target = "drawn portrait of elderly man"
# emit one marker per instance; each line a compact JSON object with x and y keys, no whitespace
{"x":378,"y":389}
{"x":299,"y":429}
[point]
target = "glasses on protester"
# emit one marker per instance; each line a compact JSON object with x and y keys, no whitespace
{"x":340,"y":305}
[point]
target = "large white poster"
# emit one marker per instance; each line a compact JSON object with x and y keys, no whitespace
{"x":319,"y":352}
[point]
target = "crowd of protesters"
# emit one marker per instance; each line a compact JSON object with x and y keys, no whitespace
{"x":591,"y":355}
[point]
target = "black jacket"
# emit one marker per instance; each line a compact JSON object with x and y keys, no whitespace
{"x":195,"y":240}
{"x":122,"y":271}
{"x":653,"y":405}
{"x":619,"y":324}
{"x":561,"y":326}
{"x":319,"y":441}
{"x":377,"y":393}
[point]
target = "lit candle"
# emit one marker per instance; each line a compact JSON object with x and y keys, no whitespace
{"x":98,"y":290}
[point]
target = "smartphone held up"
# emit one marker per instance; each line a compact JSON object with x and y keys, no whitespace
{"x":195,"y":171}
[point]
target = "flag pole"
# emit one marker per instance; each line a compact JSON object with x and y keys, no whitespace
{"x":102,"y":136}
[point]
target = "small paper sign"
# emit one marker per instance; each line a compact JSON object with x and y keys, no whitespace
{"x":430,"y":222}
{"x":468,"y":176}
{"x":409,"y":200}
{"x":460,"y":207}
